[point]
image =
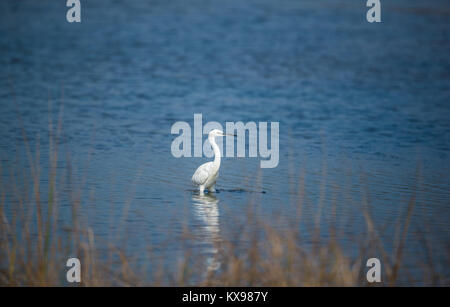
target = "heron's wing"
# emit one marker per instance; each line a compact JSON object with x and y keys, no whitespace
{"x":202,"y":173}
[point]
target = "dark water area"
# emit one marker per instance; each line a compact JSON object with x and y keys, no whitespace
{"x":363,"y":111}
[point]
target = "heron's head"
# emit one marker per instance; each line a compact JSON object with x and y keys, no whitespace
{"x":217,"y":132}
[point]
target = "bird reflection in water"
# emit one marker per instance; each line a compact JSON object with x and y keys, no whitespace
{"x":206,"y":211}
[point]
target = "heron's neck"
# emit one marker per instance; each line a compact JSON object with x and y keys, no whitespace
{"x":216,"y":149}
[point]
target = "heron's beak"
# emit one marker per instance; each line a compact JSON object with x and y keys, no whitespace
{"x":229,"y":134}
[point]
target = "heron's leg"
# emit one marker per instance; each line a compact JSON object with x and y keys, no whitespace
{"x":202,"y":189}
{"x":212,"y":188}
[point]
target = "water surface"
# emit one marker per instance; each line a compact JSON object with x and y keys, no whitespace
{"x":363,"y":112}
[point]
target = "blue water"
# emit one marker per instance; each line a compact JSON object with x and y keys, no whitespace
{"x":363,"y":111}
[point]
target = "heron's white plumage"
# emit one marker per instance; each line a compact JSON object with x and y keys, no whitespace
{"x":205,"y":176}
{"x":202,"y":173}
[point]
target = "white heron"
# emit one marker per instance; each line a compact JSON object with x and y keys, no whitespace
{"x":206,"y":174}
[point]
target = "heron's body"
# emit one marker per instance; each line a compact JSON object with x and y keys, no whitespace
{"x":206,"y":174}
